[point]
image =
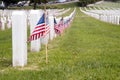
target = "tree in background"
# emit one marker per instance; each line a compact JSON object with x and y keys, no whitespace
{"x":8,"y":2}
{"x":38,"y":1}
{"x":86,"y":2}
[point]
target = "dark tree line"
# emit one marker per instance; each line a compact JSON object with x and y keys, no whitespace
{"x":38,"y":1}
{"x":86,"y":2}
{"x":112,"y":0}
{"x":8,"y":2}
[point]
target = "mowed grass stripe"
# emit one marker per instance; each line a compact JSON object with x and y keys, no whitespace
{"x":67,"y":13}
{"x":88,"y":50}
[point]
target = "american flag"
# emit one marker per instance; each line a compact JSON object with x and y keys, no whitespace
{"x":58,"y":27}
{"x":41,"y":29}
{"x":67,"y":23}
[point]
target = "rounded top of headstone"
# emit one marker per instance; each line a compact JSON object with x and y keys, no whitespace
{"x":18,"y":13}
{"x":35,"y":11}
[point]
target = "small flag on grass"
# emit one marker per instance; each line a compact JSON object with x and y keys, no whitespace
{"x":58,"y":27}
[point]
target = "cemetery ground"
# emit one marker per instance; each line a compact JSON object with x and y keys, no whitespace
{"x":88,"y":50}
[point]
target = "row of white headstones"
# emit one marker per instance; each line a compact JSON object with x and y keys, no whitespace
{"x":60,"y":13}
{"x":5,"y":16}
{"x":106,"y":15}
{"x":19,"y":33}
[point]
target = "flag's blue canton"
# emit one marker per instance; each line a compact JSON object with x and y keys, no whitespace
{"x":42,"y":20}
{"x":55,"y":21}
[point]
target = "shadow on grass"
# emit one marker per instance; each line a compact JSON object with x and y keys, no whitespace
{"x":4,"y":63}
{"x":5,"y":58}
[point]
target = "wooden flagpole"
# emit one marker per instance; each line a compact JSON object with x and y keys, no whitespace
{"x":45,"y":33}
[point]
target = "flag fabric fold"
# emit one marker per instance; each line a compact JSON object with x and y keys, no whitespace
{"x":58,"y":27}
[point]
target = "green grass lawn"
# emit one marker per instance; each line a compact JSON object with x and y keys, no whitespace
{"x":88,"y":50}
{"x":67,"y":13}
